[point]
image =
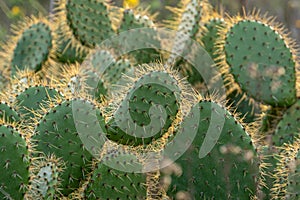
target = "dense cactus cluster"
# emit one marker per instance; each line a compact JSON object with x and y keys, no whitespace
{"x":89,"y":112}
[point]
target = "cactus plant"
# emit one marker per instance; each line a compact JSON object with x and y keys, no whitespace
{"x":33,"y":99}
{"x":268,"y":76}
{"x":109,"y":183}
{"x":92,"y":110}
{"x":85,"y":23}
{"x":31,"y":47}
{"x":231,"y":168}
{"x":56,"y":134}
{"x":14,"y":162}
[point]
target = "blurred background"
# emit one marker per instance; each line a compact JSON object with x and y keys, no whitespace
{"x":286,"y":11}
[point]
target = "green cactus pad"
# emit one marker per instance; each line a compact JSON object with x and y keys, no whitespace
{"x":56,"y":134}
{"x":88,"y":21}
{"x":110,"y":183}
{"x":101,"y":59}
{"x":14,"y":163}
{"x":145,"y":38}
{"x":132,"y":21}
{"x":33,"y":48}
{"x":156,"y":90}
{"x":261,"y":62}
{"x":288,"y":128}
{"x":228,"y":170}
{"x":8,"y":113}
{"x":33,"y":99}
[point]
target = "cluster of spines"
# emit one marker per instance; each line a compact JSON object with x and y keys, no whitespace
{"x":286,"y":176}
{"x":45,"y":178}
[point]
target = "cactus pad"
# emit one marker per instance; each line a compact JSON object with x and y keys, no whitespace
{"x":14,"y":163}
{"x":157,"y":90}
{"x":56,"y":134}
{"x":210,"y":35}
{"x":228,"y":170}
{"x":86,"y":22}
{"x":110,"y":183}
{"x":45,"y":178}
{"x":143,"y":42}
{"x":261,"y":61}
{"x":33,"y":48}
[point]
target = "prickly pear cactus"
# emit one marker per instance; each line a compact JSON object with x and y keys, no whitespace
{"x":106,"y":107}
{"x":86,"y":23}
{"x":210,"y":36}
{"x":56,"y":134}
{"x":145,"y":48}
{"x":261,"y":59}
{"x":109,"y":183}
{"x":14,"y":163}
{"x":134,"y":121}
{"x":227,"y":169}
{"x":287,"y":129}
{"x":31,"y":47}
{"x":190,"y":16}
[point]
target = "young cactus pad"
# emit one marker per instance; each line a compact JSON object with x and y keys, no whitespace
{"x":261,"y":60}
{"x":147,"y":111}
{"x":14,"y":163}
{"x":188,"y":27}
{"x":110,"y":183}
{"x":86,"y":22}
{"x":45,"y":178}
{"x":33,"y":46}
{"x":229,"y":170}
{"x":56,"y":134}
